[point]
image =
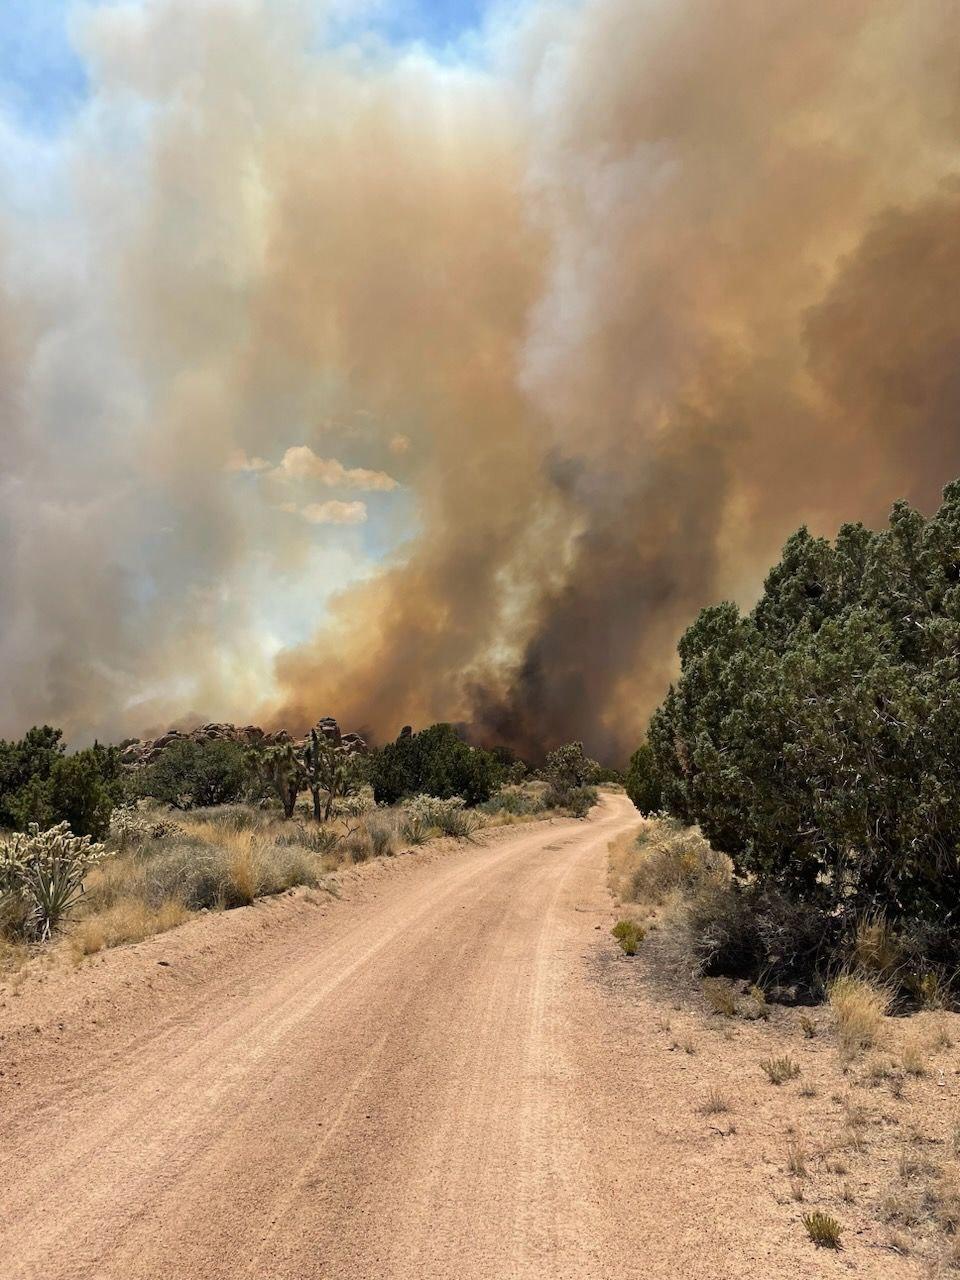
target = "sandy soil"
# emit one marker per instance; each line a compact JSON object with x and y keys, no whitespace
{"x":450,"y":1072}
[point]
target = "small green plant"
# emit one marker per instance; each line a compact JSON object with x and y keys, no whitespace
{"x":780,"y":1070}
{"x":629,"y":934}
{"x":823,"y":1230}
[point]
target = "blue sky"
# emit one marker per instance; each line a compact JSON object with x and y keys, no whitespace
{"x":42,"y":81}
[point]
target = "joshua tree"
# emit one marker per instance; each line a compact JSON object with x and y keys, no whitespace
{"x":329,"y":774}
{"x":280,"y":769}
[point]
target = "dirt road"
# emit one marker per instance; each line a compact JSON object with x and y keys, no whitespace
{"x":431,"y":1078}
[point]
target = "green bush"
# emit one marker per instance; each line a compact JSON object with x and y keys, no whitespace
{"x":579,"y":800}
{"x":424,"y":814}
{"x":643,"y":781}
{"x":817,"y":739}
{"x":568,"y":768}
{"x":41,"y":784}
{"x":188,"y":774}
{"x":434,"y":762}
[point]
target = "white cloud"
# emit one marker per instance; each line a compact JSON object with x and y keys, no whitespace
{"x":399,"y":444}
{"x":331,"y":512}
{"x":301,"y":463}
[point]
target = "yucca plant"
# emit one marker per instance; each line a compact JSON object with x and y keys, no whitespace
{"x":47,"y":869}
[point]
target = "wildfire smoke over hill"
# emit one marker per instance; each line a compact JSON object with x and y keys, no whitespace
{"x":339,"y":377}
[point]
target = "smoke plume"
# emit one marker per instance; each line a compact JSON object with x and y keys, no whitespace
{"x":337,"y":378}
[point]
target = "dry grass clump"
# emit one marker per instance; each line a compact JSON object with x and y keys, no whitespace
{"x":716,"y":1103}
{"x":859,"y":1006}
{"x":796,"y":1156}
{"x":664,"y":859}
{"x":780,"y":1070}
{"x":127,"y":920}
{"x":876,"y":949}
{"x":913,"y":1057}
{"x":720,"y":995}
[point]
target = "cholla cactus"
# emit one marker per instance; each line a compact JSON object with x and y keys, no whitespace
{"x":47,"y":869}
{"x":129,"y":824}
{"x":424,"y":813}
{"x":355,"y":805}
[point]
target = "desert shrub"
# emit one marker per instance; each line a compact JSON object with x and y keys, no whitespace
{"x":757,"y":933}
{"x":815,"y":739}
{"x":381,"y":839}
{"x":579,"y":801}
{"x":780,"y":1070}
{"x":426,"y":813}
{"x":435,"y":761}
{"x":322,"y":840}
{"x":720,"y":996}
{"x":40,"y":783}
{"x":569,"y":768}
{"x":188,"y":774}
{"x":42,"y":873}
{"x":674,"y":858}
{"x":131,"y":825}
{"x":629,"y":934}
{"x":515,"y":800}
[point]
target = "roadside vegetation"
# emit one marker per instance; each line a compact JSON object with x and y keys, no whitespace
{"x":796,"y":882}
{"x":107,"y":855}
{"x":816,"y":742}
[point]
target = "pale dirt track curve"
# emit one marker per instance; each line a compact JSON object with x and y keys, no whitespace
{"x":428,"y":1080}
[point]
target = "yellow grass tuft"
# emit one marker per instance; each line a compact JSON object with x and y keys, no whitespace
{"x":127,"y":920}
{"x":859,"y":1006}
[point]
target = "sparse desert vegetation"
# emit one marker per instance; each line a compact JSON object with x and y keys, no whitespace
{"x":859,"y":1127}
{"x":207,"y":823}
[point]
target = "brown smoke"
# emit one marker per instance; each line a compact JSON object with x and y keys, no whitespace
{"x":654,"y":285}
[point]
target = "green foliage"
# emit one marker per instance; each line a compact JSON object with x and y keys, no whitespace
{"x":629,"y":934}
{"x":578,"y":800}
{"x":817,"y":739}
{"x":823,"y":1230}
{"x":40,"y":783}
{"x":516,"y":800}
{"x":187,"y":774}
{"x":44,"y":870}
{"x":643,"y":781}
{"x":568,"y":768}
{"x":434,"y":762}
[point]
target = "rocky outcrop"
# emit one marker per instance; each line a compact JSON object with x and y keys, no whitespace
{"x":139,"y":752}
